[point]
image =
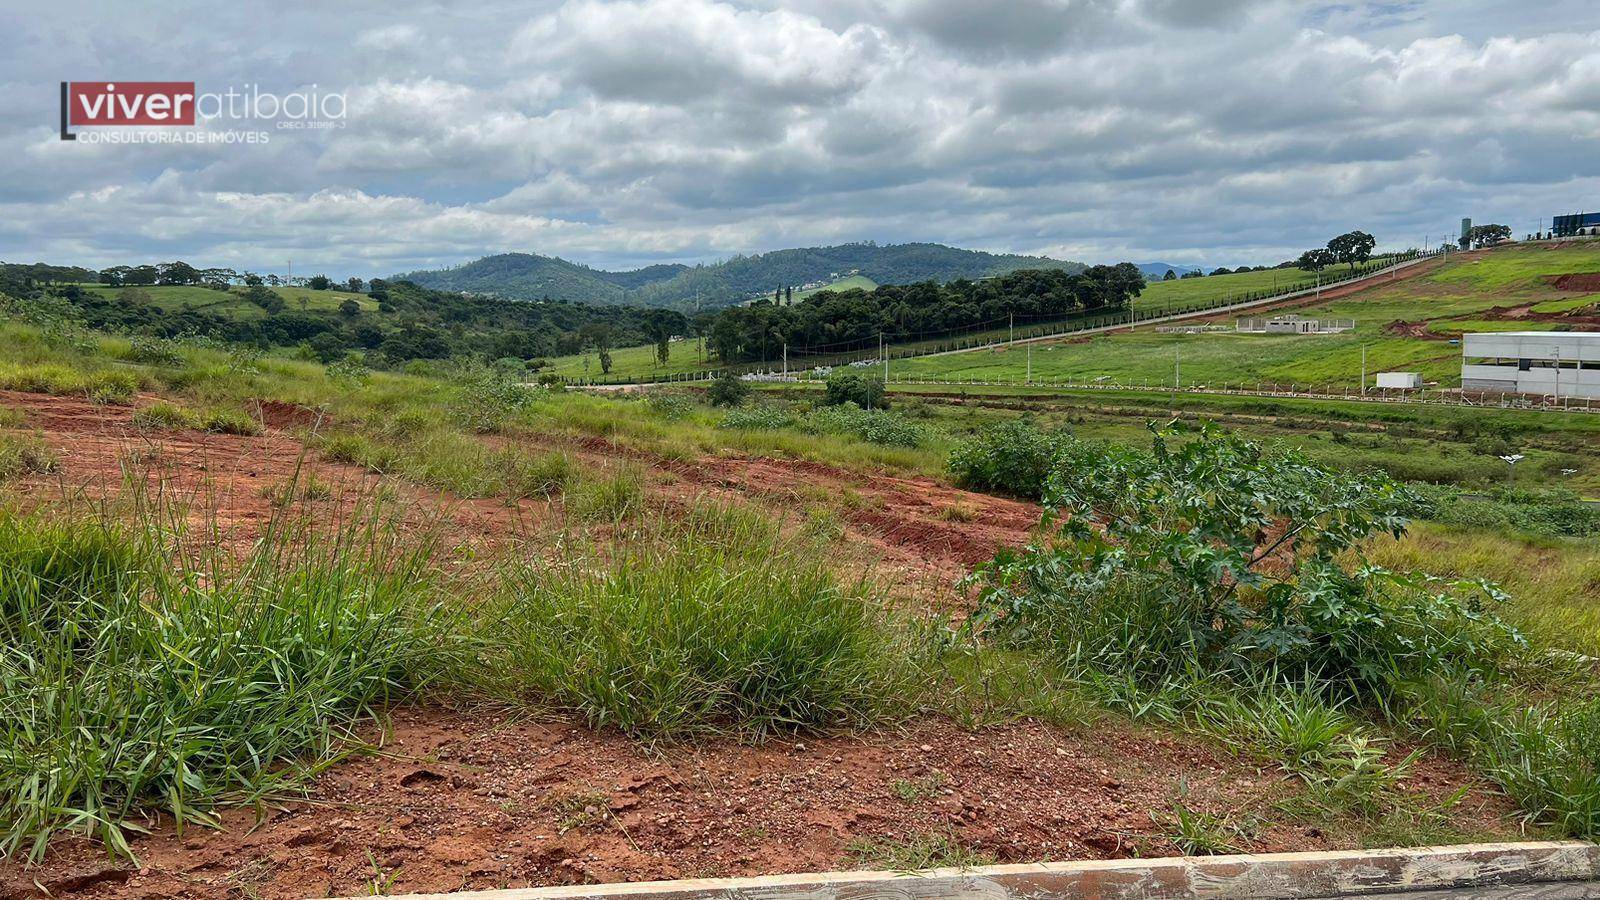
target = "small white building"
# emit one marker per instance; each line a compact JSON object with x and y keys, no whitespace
{"x":1407,"y":381}
{"x":1552,"y":363}
{"x":1292,"y":324}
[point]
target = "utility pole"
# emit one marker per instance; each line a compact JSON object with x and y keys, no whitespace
{"x":1363,"y":371}
{"x":1012,"y":334}
{"x":1029,"y":378}
{"x":785,"y":360}
{"x":885,"y":357}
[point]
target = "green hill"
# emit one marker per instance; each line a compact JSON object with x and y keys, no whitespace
{"x":528,"y":276}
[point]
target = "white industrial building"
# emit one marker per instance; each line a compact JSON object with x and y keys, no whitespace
{"x":1552,"y":363}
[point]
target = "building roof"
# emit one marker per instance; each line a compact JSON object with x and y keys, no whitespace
{"x":1591,"y":335}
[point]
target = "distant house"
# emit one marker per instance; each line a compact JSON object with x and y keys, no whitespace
{"x":1292,"y":324}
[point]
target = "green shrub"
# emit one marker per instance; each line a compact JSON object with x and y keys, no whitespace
{"x":1218,"y":556}
{"x":153,"y":351}
{"x":1538,"y":511}
{"x":672,"y":407}
{"x":758,"y":418}
{"x":847,"y":386}
{"x":713,"y":624}
{"x":1013,"y":458}
{"x":875,"y":426}
{"x":489,"y":399}
{"x":728,"y":390}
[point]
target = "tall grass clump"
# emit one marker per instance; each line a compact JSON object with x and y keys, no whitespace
{"x":714,"y":624}
{"x":25,"y":455}
{"x":133,"y":682}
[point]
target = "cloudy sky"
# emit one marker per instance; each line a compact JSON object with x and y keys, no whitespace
{"x":623,"y":133}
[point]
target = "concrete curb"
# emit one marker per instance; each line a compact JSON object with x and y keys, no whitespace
{"x":1546,"y":869}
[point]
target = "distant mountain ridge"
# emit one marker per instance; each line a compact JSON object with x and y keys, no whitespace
{"x":529,"y":276}
{"x":1158,"y":270}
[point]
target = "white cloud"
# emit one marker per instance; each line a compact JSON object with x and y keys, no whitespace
{"x":626,"y":132}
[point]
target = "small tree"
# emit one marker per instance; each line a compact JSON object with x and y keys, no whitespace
{"x":349,"y":308}
{"x":319,"y":282}
{"x":1170,"y":276}
{"x":1352,"y":248}
{"x":1488,"y":235}
{"x":1316,"y":260}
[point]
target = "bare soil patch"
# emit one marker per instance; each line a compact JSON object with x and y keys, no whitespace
{"x":458,"y":801}
{"x":1575,"y":282}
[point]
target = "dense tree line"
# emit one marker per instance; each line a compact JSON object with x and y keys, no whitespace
{"x":837,"y":319}
{"x":411,"y":322}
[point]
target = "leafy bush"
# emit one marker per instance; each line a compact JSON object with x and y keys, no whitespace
{"x":1218,"y":556}
{"x":1541,"y":511}
{"x":153,"y":351}
{"x":728,"y":390}
{"x":1013,"y":458}
{"x":672,"y":407}
{"x":758,"y":418}
{"x":875,"y":426}
{"x":489,"y":398}
{"x":865,"y":391}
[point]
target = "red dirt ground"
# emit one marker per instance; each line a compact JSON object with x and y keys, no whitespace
{"x":483,"y":800}
{"x":472,"y":802}
{"x":1576,"y":282}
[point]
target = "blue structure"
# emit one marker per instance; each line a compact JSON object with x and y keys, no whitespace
{"x":1577,"y":223}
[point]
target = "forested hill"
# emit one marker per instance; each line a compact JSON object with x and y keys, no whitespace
{"x":530,"y":277}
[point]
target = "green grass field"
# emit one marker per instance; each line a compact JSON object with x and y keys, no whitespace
{"x":639,"y":362}
{"x":1505,"y":277}
{"x":231,"y":303}
{"x":853,"y":282}
{"x":1188,"y":292}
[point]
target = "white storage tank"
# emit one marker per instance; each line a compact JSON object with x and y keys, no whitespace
{"x":1409,"y":381}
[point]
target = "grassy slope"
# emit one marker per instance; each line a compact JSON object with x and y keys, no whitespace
{"x":1502,"y":278}
{"x":854,"y":282}
{"x":231,"y":303}
{"x":1178,"y":294}
{"x":384,"y":402}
